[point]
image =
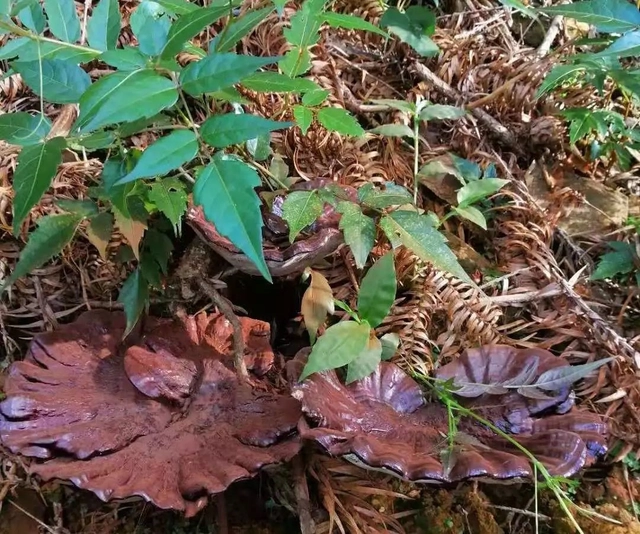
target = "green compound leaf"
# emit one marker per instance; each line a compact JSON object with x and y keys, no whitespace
{"x":63,"y":19}
{"x":239,"y":28}
{"x":221,"y":131}
{"x":303,"y":116}
{"x":23,"y":129}
{"x":340,"y":121}
{"x":225,"y":190}
{"x":57,"y":81}
{"x":170,"y":198}
{"x":274,"y":82}
{"x":103,"y":28}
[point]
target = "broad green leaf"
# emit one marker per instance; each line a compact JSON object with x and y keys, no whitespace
{"x":390,"y":343}
{"x":279,"y":5}
{"x":53,"y":233}
{"x":133,"y":296}
{"x":274,"y":82}
{"x":60,"y":82}
{"x":218,"y":71}
{"x":339,"y":345}
{"x":103,"y":28}
{"x":158,"y":247}
{"x":393,"y":130}
{"x":32,"y":16}
{"x":305,"y":25}
{"x":63,"y":19}
{"x":170,"y":198}
{"x":165,"y":155}
{"x":221,"y":131}
{"x":84,"y":208}
{"x":619,"y":261}
{"x":351,"y":22}
{"x":416,"y":232}
{"x":97,"y":141}
{"x":559,"y":75}
{"x":400,"y":105}
{"x":478,"y":190}
{"x":37,"y":165}
{"x":30,"y":50}
{"x":127,"y":58}
{"x":225,"y":190}
{"x":295,"y":62}
{"x":315,"y":98}
{"x":608,"y":16}
{"x":5,"y":7}
{"x":413,"y":28}
{"x":626,"y":46}
{"x":563,"y":377}
{"x":239,"y":28}
{"x":179,"y":7}
{"x":303,"y":116}
{"x":151,"y":27}
{"x":99,"y":232}
{"x":16,"y":47}
{"x":260,"y":147}
{"x":125,"y":96}
{"x":471,"y":214}
{"x":23,"y":129}
{"x":300,"y":209}
{"x":366,"y":362}
{"x":190,"y":25}
{"x":391,"y":195}
{"x":378,"y":291}
{"x":441,"y":166}
{"x":441,"y":111}
{"x":469,"y":170}
{"x":359,"y":231}
{"x":340,"y":121}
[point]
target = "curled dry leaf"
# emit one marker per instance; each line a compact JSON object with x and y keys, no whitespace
{"x":317,"y":303}
{"x":165,"y":419}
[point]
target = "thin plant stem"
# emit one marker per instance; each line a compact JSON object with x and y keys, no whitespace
{"x":416,"y":147}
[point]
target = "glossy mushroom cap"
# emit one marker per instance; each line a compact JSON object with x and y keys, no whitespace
{"x":384,"y":422}
{"x":166,"y":420}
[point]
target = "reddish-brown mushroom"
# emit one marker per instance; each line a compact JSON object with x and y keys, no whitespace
{"x":384,"y":422}
{"x":165,"y":419}
{"x":283,"y":258}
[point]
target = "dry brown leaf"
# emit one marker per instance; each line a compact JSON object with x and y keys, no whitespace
{"x":317,"y":302}
{"x":132,"y":230}
{"x":99,"y":232}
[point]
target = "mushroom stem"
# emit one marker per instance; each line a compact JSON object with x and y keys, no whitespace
{"x":238,"y":341}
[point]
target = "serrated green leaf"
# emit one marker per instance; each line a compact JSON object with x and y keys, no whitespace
{"x":393,"y":130}
{"x":315,"y":98}
{"x":32,"y":17}
{"x":400,"y":105}
{"x":559,"y":75}
{"x":351,"y":22}
{"x":165,"y":155}
{"x":359,"y":231}
{"x":340,"y":121}
{"x":191,"y":24}
{"x":339,"y":345}
{"x":151,"y":27}
{"x":53,"y":233}
{"x":390,"y":343}
{"x":239,"y":28}
{"x":626,"y":46}
{"x":378,"y":291}
{"x":37,"y":165}
{"x":125,"y":96}
{"x":441,"y":112}
{"x":170,"y":198}
{"x":23,"y":129}
{"x":413,"y":28}
{"x":99,"y":232}
{"x":63,"y":19}
{"x":225,"y":190}
{"x":478,"y":190}
{"x":295,"y":62}
{"x":300,"y":209}
{"x":60,"y":82}
{"x":366,"y":362}
{"x":416,"y":232}
{"x":103,"y":28}
{"x":217,"y":71}
{"x":471,"y":214}
{"x":305,"y":25}
{"x":391,"y":195}
{"x":127,"y":58}
{"x":84,"y":208}
{"x":179,"y":7}
{"x":303,"y":117}
{"x":133,"y":296}
{"x":611,"y":264}
{"x":274,"y":82}
{"x":221,"y":131}
{"x":608,"y":16}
